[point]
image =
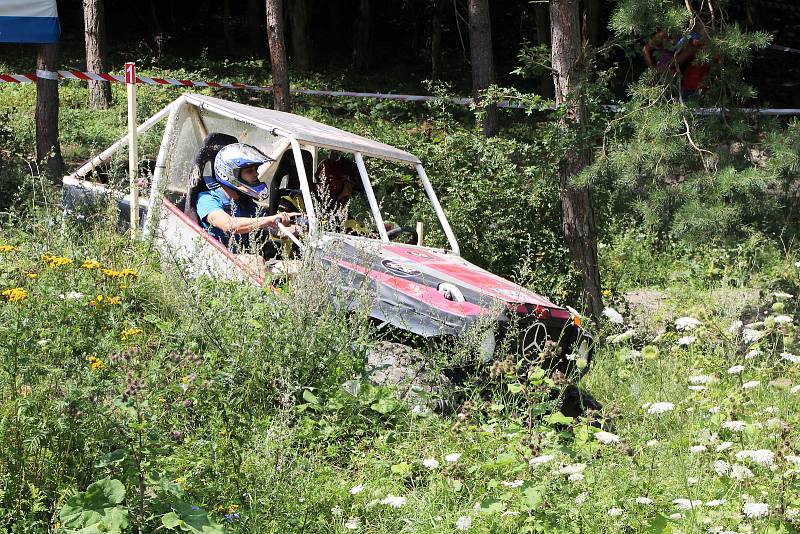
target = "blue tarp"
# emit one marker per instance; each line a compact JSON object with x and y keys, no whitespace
{"x":29,"y":21}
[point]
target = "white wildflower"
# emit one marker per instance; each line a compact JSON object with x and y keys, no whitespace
{"x":430,"y":463}
{"x":694,"y":449}
{"x":780,"y":295}
{"x":795,"y":390}
{"x":356,"y":489}
{"x":337,"y":511}
{"x":792,"y":513}
{"x":686,"y":340}
{"x":721,"y":467}
{"x":684,"y":324}
{"x":790,"y":357}
{"x":464,"y":522}
{"x":352,"y":524}
{"x":571,"y":469}
{"x":576,"y":477}
{"x":736,"y":369}
{"x":700,"y":379}
{"x":691,"y":481}
{"x":752,"y":354}
{"x":660,"y":407}
{"x":606,"y":438}
{"x":782,"y":319}
{"x":651,"y":442}
{"x":750,"y":335}
{"x":686,"y":504}
{"x":760,"y":456}
{"x":735,"y":327}
{"x":540,"y":460}
{"x":581,"y":498}
{"x":72,"y":295}
{"x":755,"y":510}
{"x":453,"y":457}
{"x":615,"y":512}
{"x":714,"y":409}
{"x":676,"y":517}
{"x":734,"y":426}
{"x":740,"y":472}
{"x":394,"y":501}
{"x":724,"y":446}
{"x":644,"y":500}
{"x":515,"y":484}
{"x":43,"y":342}
{"x":751,"y":384}
{"x":623,"y":336}
{"x":613,"y":315}
{"x":715,"y":503}
{"x":697,"y":388}
{"x":793,"y":459}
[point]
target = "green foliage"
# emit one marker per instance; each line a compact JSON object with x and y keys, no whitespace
{"x":97,"y":509}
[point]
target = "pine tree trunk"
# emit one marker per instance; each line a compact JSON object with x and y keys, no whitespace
{"x":542,"y":14}
{"x":254,"y":27}
{"x":363,"y":37}
{"x":48,"y":149}
{"x":159,"y":37}
{"x":436,"y":39}
{"x":94,"y":22}
{"x":277,"y":55}
{"x":576,"y":202}
{"x":592,"y":10}
{"x":480,"y":47}
{"x":301,"y":47}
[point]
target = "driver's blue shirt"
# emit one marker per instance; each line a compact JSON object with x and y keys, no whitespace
{"x":214,"y":200}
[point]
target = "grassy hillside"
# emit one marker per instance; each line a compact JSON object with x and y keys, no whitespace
{"x":136,"y":398}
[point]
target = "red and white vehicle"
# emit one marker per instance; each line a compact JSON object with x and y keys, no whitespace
{"x":431,"y":292}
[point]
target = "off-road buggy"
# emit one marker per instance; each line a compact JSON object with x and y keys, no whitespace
{"x":424,"y":291}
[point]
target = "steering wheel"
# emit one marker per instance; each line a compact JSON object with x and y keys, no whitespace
{"x":398,"y":230}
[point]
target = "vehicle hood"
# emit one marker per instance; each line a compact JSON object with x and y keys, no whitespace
{"x":408,"y":278}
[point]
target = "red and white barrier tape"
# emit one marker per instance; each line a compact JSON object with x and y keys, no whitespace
{"x":118,"y":78}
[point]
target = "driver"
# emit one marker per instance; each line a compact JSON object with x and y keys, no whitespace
{"x":228,"y":210}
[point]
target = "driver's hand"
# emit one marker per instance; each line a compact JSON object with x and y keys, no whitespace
{"x":285,"y":218}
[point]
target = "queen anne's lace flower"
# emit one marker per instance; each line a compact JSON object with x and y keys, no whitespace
{"x":571,"y":469}
{"x":686,"y":504}
{"x":694,"y":449}
{"x":615,"y":512}
{"x":740,"y":472}
{"x":736,"y":369}
{"x":394,"y":501}
{"x":790,"y":357}
{"x":750,"y":335}
{"x":715,"y":503}
{"x":751,"y":384}
{"x":684,"y":324}
{"x":464,"y":522}
{"x":686,"y":340}
{"x":783,"y":319}
{"x":453,"y":457}
{"x":607,"y":438}
{"x":540,"y":460}
{"x":430,"y":463}
{"x":760,"y":456}
{"x":752,"y":354}
{"x":356,"y":489}
{"x":755,"y":510}
{"x":724,"y":446}
{"x":721,"y":467}
{"x":660,"y":407}
{"x":700,"y":379}
{"x":514,"y":484}
{"x":644,"y":500}
{"x":613,"y":315}
{"x":734,"y":426}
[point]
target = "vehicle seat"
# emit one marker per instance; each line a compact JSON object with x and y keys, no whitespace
{"x":213,"y":143}
{"x":286,"y":178}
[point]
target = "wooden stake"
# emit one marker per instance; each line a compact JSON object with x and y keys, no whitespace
{"x":420,"y":237}
{"x":133,"y":147}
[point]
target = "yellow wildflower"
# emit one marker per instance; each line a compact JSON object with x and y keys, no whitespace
{"x":111,"y":273}
{"x":606,"y":292}
{"x":114,"y":300}
{"x":15,"y":294}
{"x":7,"y":248}
{"x":32,"y":275}
{"x":96,"y":363}
{"x":57,"y":525}
{"x":233,"y":508}
{"x":185,"y":380}
{"x":128,"y":272}
{"x":130,"y":332}
{"x":99,"y":298}
{"x":91,"y":264}
{"x":56,"y":261}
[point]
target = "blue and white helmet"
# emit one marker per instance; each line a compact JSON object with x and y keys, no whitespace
{"x":231,"y":160}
